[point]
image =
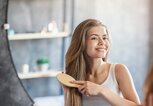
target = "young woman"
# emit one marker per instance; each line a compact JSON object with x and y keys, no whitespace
{"x":148,"y":89}
{"x":100,"y":83}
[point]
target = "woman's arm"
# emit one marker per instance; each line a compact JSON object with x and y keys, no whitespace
{"x":116,"y":100}
{"x":125,"y":85}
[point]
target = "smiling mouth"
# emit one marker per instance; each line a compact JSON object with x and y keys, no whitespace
{"x":101,"y":49}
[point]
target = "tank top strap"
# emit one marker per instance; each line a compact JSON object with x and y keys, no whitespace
{"x":112,"y":72}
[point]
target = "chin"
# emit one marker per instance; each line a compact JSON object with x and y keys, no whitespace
{"x":100,"y":56}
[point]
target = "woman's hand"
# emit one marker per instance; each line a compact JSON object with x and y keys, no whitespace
{"x":88,"y":88}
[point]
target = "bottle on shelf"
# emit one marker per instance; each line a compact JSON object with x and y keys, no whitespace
{"x":25,"y":68}
{"x":52,"y":27}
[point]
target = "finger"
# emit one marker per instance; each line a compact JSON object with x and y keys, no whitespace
{"x":83,"y":91}
{"x":78,"y":82}
{"x":81,"y":87}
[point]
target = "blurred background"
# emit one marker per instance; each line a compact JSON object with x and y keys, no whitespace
{"x":130,"y":25}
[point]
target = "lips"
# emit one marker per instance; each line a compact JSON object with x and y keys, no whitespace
{"x":101,"y":49}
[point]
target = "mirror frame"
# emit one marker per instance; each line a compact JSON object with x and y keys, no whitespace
{"x":11,"y":89}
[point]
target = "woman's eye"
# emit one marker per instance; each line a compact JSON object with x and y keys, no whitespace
{"x":105,"y":38}
{"x":93,"y":38}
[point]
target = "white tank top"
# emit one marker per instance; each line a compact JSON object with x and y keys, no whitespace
{"x":110,"y":83}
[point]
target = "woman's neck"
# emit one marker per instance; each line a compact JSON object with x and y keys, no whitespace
{"x":94,"y":65}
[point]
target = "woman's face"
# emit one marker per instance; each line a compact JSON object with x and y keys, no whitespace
{"x":97,"y":42}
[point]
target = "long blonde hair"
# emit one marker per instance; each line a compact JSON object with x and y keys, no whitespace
{"x":148,"y":85}
{"x":76,"y":65}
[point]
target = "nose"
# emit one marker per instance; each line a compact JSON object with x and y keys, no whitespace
{"x":101,"y":41}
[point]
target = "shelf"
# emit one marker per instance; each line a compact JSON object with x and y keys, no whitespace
{"x":26,"y":36}
{"x":31,"y":75}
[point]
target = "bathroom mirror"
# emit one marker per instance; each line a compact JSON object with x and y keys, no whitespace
{"x":135,"y":51}
{"x":37,"y":33}
{"x":11,"y":89}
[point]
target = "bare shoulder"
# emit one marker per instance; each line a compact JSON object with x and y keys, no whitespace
{"x":121,"y":71}
{"x":120,"y":67}
{"x":125,"y":82}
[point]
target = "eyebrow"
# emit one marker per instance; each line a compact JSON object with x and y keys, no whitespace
{"x":98,"y":35}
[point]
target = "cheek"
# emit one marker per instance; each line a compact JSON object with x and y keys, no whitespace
{"x":89,"y":48}
{"x":108,"y":45}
